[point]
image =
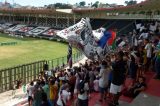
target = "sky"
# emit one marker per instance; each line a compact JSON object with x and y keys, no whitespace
{"x":46,"y":2}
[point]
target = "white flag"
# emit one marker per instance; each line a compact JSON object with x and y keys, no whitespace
{"x":80,"y":36}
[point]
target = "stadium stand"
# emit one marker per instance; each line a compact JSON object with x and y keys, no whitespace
{"x":142,"y":28}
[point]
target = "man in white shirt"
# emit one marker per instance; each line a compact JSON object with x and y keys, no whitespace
{"x":30,"y":90}
{"x":103,"y":81}
{"x":148,"y":48}
{"x":63,"y":96}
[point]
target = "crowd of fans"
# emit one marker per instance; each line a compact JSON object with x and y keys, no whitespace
{"x":106,"y":77}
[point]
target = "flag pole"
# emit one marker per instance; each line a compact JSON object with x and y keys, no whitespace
{"x":69,"y":56}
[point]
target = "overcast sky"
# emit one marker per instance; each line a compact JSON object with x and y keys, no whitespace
{"x":46,"y":2}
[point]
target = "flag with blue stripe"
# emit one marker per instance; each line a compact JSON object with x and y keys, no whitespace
{"x":103,"y":40}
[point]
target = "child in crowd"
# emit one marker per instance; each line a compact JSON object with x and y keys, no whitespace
{"x":138,"y":87}
{"x":96,"y":83}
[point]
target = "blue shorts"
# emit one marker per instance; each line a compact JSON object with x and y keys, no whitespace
{"x":102,"y":90}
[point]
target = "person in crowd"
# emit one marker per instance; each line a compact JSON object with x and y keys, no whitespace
{"x":63,"y":96}
{"x":83,"y":91}
{"x":30,"y":91}
{"x":138,"y":87}
{"x":157,"y":59}
{"x":103,"y":80}
{"x":45,"y":101}
{"x":133,"y":69}
{"x":148,"y":50}
{"x":118,"y":78}
{"x":91,"y":77}
{"x":72,"y":81}
{"x":53,"y":92}
{"x":37,"y":96}
{"x":96,"y":84}
{"x":45,"y":88}
{"x":140,"y":55}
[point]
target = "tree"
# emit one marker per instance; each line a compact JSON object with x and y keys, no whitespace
{"x":82,"y":3}
{"x":131,"y":2}
{"x":50,"y":6}
{"x":96,"y":4}
{"x":59,"y":5}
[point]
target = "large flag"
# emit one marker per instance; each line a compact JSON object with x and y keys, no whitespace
{"x":103,"y":40}
{"x":112,"y":38}
{"x":103,"y":37}
{"x":69,"y":56}
{"x":80,"y":36}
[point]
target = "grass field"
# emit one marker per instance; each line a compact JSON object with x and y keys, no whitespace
{"x":29,"y":50}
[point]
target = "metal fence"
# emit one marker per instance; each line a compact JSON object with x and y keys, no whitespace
{"x":63,"y":60}
{"x":29,"y":72}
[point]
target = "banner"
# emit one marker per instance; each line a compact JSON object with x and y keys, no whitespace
{"x":50,"y":32}
{"x":80,"y":36}
{"x":26,"y":29}
{"x":16,"y":28}
{"x":38,"y":30}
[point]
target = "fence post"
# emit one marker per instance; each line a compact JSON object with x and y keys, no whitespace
{"x":27,"y":73}
{"x":1,"y":86}
{"x":18,"y":72}
{"x":62,"y":60}
{"x":34,"y":69}
{"x":31,"y":72}
{"x":5,"y":77}
{"x":52,"y":64}
{"x":38,"y":67}
{"x":24,"y":77}
{"x":10,"y":79}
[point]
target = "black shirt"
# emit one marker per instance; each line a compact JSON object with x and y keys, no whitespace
{"x":119,"y":72}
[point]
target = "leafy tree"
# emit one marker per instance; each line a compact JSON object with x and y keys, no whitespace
{"x":59,"y":5}
{"x":131,"y":2}
{"x":82,"y":3}
{"x":96,"y":4}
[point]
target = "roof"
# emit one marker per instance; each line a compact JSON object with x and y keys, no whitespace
{"x":146,"y":5}
{"x":31,"y":11}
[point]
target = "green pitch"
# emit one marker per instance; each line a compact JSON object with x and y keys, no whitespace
{"x":28,"y":50}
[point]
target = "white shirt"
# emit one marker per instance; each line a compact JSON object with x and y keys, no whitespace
{"x":141,"y":28}
{"x":143,"y":36}
{"x":84,"y":96}
{"x":49,"y":73}
{"x":153,"y":28}
{"x":148,"y":48}
{"x":96,"y":85}
{"x":138,"y":26}
{"x":65,"y":96}
{"x":103,"y":81}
